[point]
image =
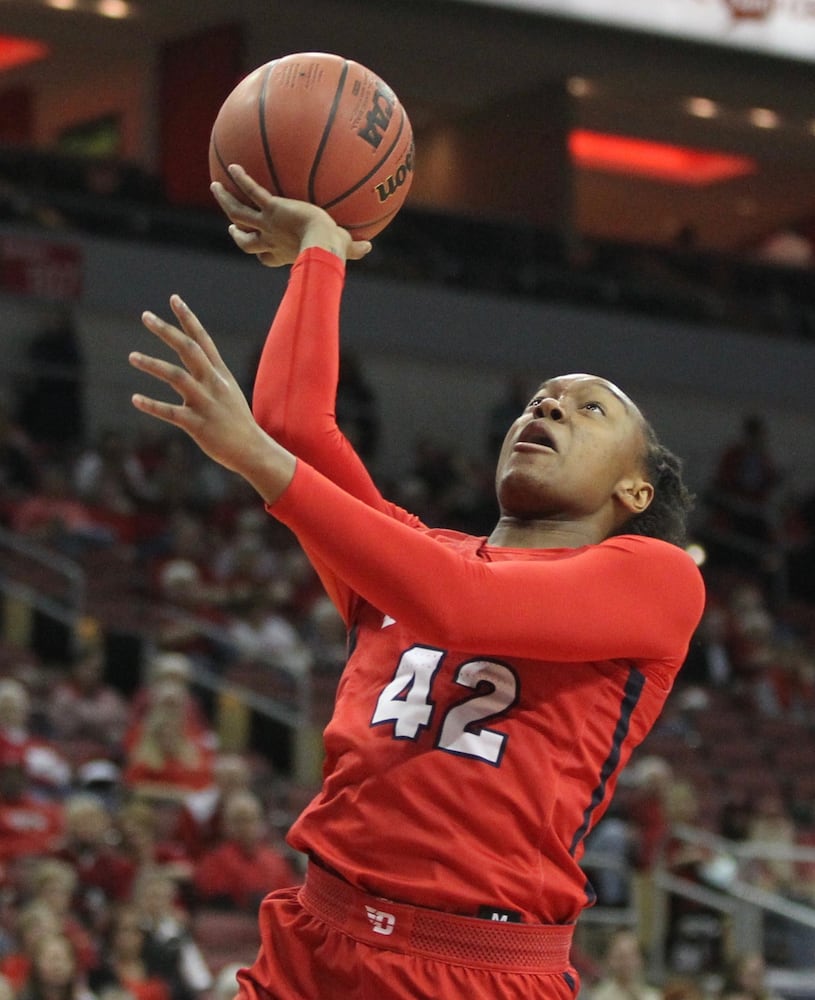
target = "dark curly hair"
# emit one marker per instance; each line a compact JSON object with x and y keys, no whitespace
{"x":666,"y":517}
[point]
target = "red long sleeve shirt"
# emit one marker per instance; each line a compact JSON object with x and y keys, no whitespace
{"x":492,"y":695}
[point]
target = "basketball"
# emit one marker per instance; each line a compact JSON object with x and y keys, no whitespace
{"x":323,"y":129}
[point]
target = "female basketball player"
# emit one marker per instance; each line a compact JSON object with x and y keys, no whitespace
{"x":495,"y":686}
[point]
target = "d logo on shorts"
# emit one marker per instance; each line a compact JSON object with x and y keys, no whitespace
{"x":381,"y":922}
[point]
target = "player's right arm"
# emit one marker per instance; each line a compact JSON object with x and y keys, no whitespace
{"x":296,"y":381}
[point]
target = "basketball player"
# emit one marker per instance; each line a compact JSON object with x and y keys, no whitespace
{"x":495,"y":686}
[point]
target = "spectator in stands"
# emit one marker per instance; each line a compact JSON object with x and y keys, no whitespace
{"x":7,"y":990}
{"x":786,"y":687}
{"x":170,"y":948}
{"x":752,"y":636}
{"x":47,"y":769}
{"x":744,"y":489}
{"x":260,"y":633}
{"x":124,"y":963}
{"x":651,"y":778}
{"x":178,"y":479}
{"x":772,"y":825}
{"x":200,"y":820}
{"x":166,"y":666}
{"x":189,"y":613}
{"x":245,"y":866}
{"x":168,"y":682}
{"x":648,"y":812}
{"x":34,"y":921}
{"x":105,"y":873}
{"x":695,"y":932}
{"x":146,"y":843}
{"x":29,"y":826}
{"x":55,"y":516}
{"x":166,"y":756}
{"x":187,"y":537}
{"x":54,"y":882}
{"x":746,"y":979}
{"x":83,"y":708}
{"x":55,"y":974}
{"x":109,"y":475}
{"x":245,"y":557}
{"x":624,"y":977}
{"x":709,"y":661}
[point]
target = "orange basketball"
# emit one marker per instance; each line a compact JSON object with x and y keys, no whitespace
{"x":322,"y":129}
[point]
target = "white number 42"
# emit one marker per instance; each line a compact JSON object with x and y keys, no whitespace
{"x":406,"y":702}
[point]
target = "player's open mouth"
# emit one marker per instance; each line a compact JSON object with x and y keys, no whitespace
{"x":537,"y":436}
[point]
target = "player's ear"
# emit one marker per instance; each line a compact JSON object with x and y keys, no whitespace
{"x":634,"y":493}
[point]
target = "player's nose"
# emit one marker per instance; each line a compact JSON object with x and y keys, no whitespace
{"x":549,"y":407}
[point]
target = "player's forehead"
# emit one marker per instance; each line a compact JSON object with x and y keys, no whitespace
{"x":580,"y":381}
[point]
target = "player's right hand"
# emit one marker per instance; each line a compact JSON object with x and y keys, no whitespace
{"x":276,"y":230}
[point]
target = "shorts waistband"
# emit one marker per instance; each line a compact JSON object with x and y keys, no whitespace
{"x":537,"y":948}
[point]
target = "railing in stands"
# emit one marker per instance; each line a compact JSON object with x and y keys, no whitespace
{"x":38,"y":577}
{"x":748,"y":908}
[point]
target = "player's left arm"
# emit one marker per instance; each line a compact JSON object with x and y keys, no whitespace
{"x":630,"y":597}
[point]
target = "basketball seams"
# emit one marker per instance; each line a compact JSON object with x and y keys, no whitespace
{"x":374,"y":169}
{"x":221,"y":162}
{"x":329,"y":124}
{"x":264,"y":138}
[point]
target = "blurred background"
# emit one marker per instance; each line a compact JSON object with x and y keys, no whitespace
{"x":599,"y":186}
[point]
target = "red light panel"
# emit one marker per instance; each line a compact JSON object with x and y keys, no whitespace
{"x":656,"y":160}
{"x":19,"y":51}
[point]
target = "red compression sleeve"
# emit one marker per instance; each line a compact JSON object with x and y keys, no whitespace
{"x":629,"y":597}
{"x":296,"y":382}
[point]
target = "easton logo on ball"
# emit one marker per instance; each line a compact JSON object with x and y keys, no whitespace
{"x":319,"y":128}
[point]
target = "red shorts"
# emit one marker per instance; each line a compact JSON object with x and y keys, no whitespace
{"x":329,"y":941}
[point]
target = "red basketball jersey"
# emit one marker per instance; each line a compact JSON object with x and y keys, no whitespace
{"x":492,"y":695}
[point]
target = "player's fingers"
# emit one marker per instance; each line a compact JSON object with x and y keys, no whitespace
{"x":258,"y":194}
{"x":197,"y":333}
{"x":235,"y":209}
{"x":193,"y":345}
{"x":250,"y":241}
{"x":168,"y":412}
{"x":164,"y":371}
{"x":357,"y":249}
{"x":260,"y":247}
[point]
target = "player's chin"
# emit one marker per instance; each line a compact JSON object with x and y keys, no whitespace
{"x":520,"y":492}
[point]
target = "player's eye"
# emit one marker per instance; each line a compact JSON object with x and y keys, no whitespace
{"x":592,"y":404}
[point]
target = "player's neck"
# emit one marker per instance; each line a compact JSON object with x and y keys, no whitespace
{"x":528,"y":533}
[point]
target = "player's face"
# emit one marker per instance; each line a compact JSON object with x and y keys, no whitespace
{"x":576,"y":451}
